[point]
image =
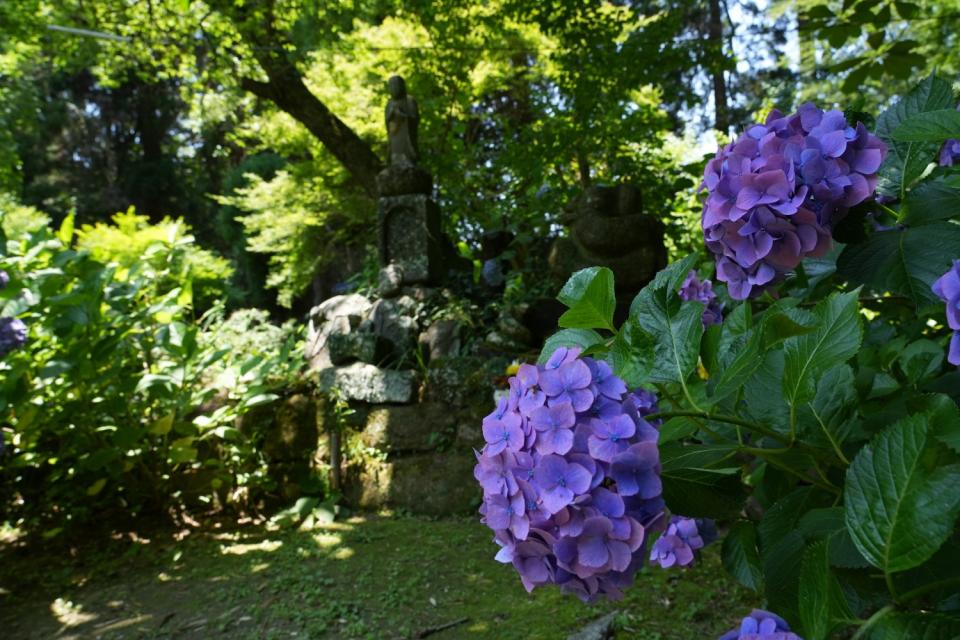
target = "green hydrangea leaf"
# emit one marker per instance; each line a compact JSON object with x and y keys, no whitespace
{"x":899,"y":509}
{"x":822,"y":604}
{"x":590,"y":296}
{"x":740,"y":555}
{"x":836,"y":339}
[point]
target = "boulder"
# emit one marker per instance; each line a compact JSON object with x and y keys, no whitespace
{"x":498,"y":342}
{"x":335,"y":316}
{"x":353,"y":306}
{"x":392,"y":320}
{"x":348,"y":347}
{"x":315,"y":347}
{"x":441,"y":339}
{"x":511,"y":328}
{"x":428,"y":483}
{"x":368,"y":383}
{"x":415,"y":427}
{"x":460,"y":381}
{"x":390,"y":281}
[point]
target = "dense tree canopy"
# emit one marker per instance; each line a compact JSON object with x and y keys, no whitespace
{"x":221,"y":111}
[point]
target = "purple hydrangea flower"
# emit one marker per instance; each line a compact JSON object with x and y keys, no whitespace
{"x":502,"y":429}
{"x":759,"y":625}
{"x":4,"y":279}
{"x":947,"y":287}
{"x":702,"y":291}
{"x":683,"y":537}
{"x":13,"y":335}
{"x":775,"y":193}
{"x":571,"y":476}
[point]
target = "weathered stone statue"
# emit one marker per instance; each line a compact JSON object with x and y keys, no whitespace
{"x":402,"y":119}
{"x":608,"y":228}
{"x":410,"y":235}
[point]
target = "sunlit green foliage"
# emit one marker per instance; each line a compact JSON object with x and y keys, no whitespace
{"x":102,"y":404}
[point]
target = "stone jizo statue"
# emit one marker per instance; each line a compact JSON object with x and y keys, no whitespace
{"x":402,"y":118}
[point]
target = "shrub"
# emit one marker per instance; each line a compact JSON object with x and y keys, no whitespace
{"x":111,"y":404}
{"x":817,"y":419}
{"x":131,"y":241}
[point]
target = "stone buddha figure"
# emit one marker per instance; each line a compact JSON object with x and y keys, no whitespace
{"x":402,"y":119}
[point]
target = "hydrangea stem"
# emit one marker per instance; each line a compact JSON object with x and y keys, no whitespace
{"x":752,"y":426}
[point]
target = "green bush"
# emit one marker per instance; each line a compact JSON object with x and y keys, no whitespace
{"x":131,"y":240}
{"x":119,"y":401}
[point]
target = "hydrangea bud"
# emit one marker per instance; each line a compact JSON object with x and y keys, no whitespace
{"x":571,"y":476}
{"x":13,"y":335}
{"x":682,"y":539}
{"x":774,"y":193}
{"x":702,"y":291}
{"x":947,"y":287}
{"x":759,"y":625}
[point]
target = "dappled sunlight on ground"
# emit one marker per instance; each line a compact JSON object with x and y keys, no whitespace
{"x":346,"y":580}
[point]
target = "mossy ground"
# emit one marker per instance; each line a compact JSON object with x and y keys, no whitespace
{"x":372,"y":577}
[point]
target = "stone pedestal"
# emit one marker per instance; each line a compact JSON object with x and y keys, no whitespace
{"x":411,"y":237}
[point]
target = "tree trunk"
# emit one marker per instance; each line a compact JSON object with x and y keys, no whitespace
{"x":286,"y":89}
{"x":721,"y":120}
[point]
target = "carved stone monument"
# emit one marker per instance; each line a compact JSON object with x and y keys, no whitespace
{"x":410,"y":234}
{"x":608,"y":228}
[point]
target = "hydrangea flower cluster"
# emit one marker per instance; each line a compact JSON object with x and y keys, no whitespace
{"x":775,"y":193}
{"x":759,"y":625}
{"x":702,"y":291}
{"x":4,"y":279}
{"x":13,"y":335}
{"x":682,"y":539}
{"x":948,"y":288}
{"x":571,"y":476}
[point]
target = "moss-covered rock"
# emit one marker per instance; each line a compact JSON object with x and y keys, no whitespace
{"x":429,"y":483}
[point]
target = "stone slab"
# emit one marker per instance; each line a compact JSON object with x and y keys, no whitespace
{"x":368,"y":383}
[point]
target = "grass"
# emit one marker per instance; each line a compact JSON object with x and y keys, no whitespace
{"x":372,"y":577}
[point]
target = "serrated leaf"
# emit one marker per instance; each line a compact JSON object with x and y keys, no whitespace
{"x":921,"y":360}
{"x":899,"y":511}
{"x":835,"y":341}
{"x":740,"y":556}
{"x":833,"y":405}
{"x":915,"y":626}
{"x":943,"y":416}
{"x":675,"y":325}
{"x":781,"y":549}
{"x":703,"y":493}
{"x":930,"y":201}
{"x":631,"y":354}
{"x":669,"y":278}
{"x":930,"y":126}
{"x":582,"y":338}
{"x":763,"y":393}
{"x":676,"y":429}
{"x":906,"y":161}
{"x":590,"y":296}
{"x":822,"y":603}
{"x":746,"y":361}
{"x":675,"y":455}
